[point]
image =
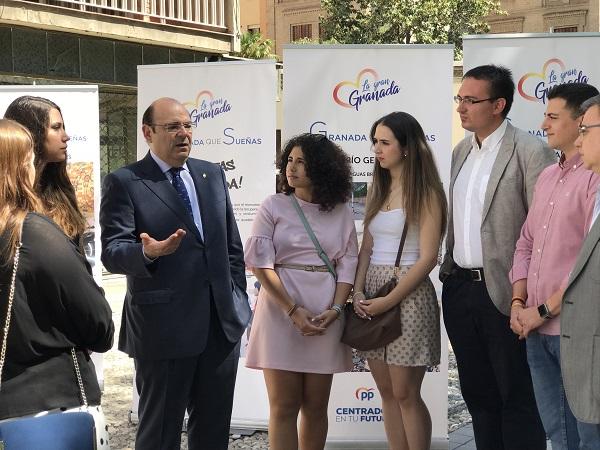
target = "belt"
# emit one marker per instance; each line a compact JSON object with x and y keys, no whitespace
{"x":468,"y":274}
{"x":305,"y":267}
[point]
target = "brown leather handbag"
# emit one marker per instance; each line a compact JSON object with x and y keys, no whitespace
{"x":365,"y":334}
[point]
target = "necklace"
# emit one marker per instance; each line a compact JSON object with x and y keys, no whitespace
{"x":391,"y":197}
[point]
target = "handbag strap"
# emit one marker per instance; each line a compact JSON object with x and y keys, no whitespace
{"x":313,"y":238}
{"x":11,"y":297}
{"x":79,"y":379}
{"x":401,"y":246}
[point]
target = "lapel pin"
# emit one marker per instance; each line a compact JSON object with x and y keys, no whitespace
{"x":203,"y":175}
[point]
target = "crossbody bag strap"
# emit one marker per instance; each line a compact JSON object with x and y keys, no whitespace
{"x":401,"y":246}
{"x":313,"y":238}
{"x":79,"y":379}
{"x":11,"y":297}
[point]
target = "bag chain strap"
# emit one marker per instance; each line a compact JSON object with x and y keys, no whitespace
{"x":79,"y":379}
{"x":11,"y":296}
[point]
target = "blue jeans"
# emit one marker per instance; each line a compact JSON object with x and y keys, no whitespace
{"x":563,"y":429}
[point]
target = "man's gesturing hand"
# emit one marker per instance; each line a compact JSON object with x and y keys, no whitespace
{"x":153,"y":248}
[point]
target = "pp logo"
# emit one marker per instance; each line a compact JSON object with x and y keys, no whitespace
{"x":364,"y":394}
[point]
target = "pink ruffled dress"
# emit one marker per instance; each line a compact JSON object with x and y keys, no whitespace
{"x":278,"y":237}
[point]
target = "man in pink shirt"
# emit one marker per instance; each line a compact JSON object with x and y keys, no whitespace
{"x":551,"y":237}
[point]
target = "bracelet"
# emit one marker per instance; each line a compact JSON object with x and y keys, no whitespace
{"x":517,"y":300}
{"x":359,"y":293}
{"x":293,"y":309}
{"x":337,"y":308}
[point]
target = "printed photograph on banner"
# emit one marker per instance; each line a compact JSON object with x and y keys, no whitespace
{"x":359,"y":200}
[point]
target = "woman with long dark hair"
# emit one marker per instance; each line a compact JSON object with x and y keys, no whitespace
{"x":295,"y":337}
{"x":407,"y":189}
{"x":43,"y":118}
{"x":56,"y":306}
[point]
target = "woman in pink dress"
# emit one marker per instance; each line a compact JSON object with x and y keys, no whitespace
{"x":295,"y":337}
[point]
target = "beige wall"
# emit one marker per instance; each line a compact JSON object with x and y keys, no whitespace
{"x":542,"y":16}
{"x":253,"y":14}
{"x":282,"y":14}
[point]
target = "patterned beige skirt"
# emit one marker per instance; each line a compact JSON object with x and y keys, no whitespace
{"x":419,"y":344}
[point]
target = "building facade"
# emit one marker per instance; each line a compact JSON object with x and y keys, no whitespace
{"x":546,"y":16}
{"x":102,"y":42}
{"x":282,"y":21}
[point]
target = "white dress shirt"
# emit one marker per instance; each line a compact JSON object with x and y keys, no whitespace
{"x":596,"y":208}
{"x":188,"y":182}
{"x":468,"y":197}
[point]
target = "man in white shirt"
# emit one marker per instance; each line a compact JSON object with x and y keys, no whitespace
{"x":493,"y":174}
{"x":580,"y":313}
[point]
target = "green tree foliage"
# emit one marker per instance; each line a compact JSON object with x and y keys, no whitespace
{"x":405,"y":21}
{"x":255,"y":46}
{"x":309,"y":41}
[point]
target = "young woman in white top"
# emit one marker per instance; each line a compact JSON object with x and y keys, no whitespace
{"x":406,"y":187}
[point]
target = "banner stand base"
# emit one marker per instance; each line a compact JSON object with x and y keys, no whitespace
{"x":436,"y":444}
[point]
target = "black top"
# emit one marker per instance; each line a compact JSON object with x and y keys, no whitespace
{"x":57,"y":306}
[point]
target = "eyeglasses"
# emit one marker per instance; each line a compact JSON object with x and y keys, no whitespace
{"x":174,"y":127}
{"x":471,"y":101}
{"x":584,"y":128}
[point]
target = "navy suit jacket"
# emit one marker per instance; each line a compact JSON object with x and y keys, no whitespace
{"x":166,"y":313}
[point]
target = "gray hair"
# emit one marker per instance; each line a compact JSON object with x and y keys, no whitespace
{"x":593,"y":101}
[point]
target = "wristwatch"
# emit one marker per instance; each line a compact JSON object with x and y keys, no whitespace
{"x":544,"y":312}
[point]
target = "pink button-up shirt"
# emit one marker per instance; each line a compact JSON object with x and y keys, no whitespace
{"x":554,"y":231}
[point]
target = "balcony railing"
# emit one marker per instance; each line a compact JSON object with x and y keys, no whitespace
{"x":195,"y":13}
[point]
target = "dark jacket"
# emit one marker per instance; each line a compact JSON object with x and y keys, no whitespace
{"x":57,"y":305}
{"x":166,"y":313}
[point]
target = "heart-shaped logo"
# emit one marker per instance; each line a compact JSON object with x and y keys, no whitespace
{"x":353,"y":84}
{"x":543,"y":76}
{"x":202,"y":96}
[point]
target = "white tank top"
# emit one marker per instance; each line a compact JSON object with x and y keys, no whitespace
{"x":386,"y":229}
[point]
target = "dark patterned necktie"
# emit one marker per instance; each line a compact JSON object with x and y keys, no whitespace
{"x":177,"y":183}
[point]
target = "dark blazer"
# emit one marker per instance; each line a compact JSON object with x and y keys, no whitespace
{"x":580,"y":331}
{"x":167,"y":305}
{"x":509,"y":192}
{"x":57,"y":306}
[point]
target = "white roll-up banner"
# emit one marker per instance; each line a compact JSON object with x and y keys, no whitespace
{"x":233,"y":105}
{"x":339,"y":91}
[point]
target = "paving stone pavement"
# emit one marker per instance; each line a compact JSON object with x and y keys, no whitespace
{"x":118,"y":370}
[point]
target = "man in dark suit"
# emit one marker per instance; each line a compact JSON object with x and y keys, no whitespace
{"x":492,"y":177}
{"x":167,"y":223}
